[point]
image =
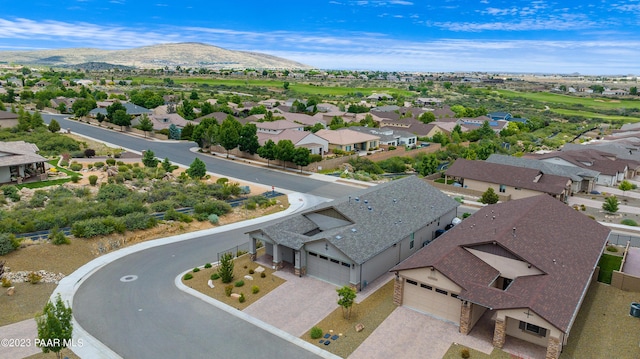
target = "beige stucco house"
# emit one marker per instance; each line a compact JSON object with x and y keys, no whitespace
{"x":523,"y":266}
{"x":8,"y":119}
{"x":19,"y":160}
{"x":349,"y":140}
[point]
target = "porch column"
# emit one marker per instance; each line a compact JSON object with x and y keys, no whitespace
{"x":277,"y":262}
{"x":465,"y":317}
{"x":252,"y":248}
{"x":398,"y":290}
{"x":298,"y":269}
{"x":499,"y":333}
{"x":553,"y":348}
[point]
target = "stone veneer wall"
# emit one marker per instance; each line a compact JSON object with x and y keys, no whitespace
{"x":499,"y":333}
{"x":398,"y":289}
{"x":553,"y":348}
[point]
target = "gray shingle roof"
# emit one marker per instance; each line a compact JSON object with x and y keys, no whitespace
{"x":397,"y":209}
{"x":575,"y":173}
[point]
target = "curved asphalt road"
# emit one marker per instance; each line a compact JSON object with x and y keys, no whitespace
{"x":149,"y":317}
{"x":178,"y":152}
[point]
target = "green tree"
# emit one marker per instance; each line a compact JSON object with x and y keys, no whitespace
{"x":284,"y":151}
{"x":206,"y":108}
{"x":301,"y":157}
{"x":81,"y":107}
{"x":54,"y":126}
{"x":248,"y":141}
{"x":225,"y":269}
{"x":62,"y":107}
{"x":121,"y":118}
{"x":194,"y":95}
{"x":186,"y":110}
{"x":267,"y":151}
{"x":111,"y":110}
{"x":285,"y":85}
{"x":625,"y":186}
{"x":197,"y":169}
{"x":611,"y":204}
{"x":149,"y":159}
{"x":54,"y":326}
{"x":229,"y":133}
{"x":36,"y":120}
{"x":427,"y":117}
{"x":346,"y":298}
{"x":145,"y":124}
{"x":8,"y":243}
{"x":167,"y":166}
{"x":489,"y":197}
{"x":633,"y":90}
{"x":428,"y":165}
{"x":174,"y":132}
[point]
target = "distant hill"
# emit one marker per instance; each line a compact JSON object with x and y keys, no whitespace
{"x":185,"y":55}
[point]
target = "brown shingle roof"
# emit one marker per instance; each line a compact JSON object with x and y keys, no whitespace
{"x":520,"y":177}
{"x":563,"y":244}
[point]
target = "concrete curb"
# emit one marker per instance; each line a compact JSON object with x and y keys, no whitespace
{"x":260,"y":324}
{"x":91,"y":346}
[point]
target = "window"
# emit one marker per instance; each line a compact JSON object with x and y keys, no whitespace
{"x":532,"y":329}
{"x":503,"y":188}
{"x":411,"y":244}
{"x":454,"y":295}
{"x":324,"y":257}
{"x":313,"y":254}
{"x":412,"y":282}
{"x":346,"y":264}
{"x":442,"y":291}
{"x":334,"y":260}
{"x":427,"y":287}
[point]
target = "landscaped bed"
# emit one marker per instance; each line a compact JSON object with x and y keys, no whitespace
{"x":608,"y":263}
{"x":371,"y":312}
{"x":242,"y":267}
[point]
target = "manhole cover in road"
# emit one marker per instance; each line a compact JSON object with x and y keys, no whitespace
{"x":128,"y":278}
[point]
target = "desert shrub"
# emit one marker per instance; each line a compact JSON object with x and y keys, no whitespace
{"x":251,"y":271}
{"x":250,"y":205}
{"x":119,"y":178}
{"x":255,"y":289}
{"x":391,"y":148}
{"x":225,"y":269}
{"x":98,"y":226}
{"x":242,"y":299}
{"x":583,"y":207}
{"x":213,"y":218}
{"x":464,"y":353}
{"x":89,"y":153}
{"x":124,"y":207}
{"x":315,"y":158}
{"x":173,"y":215}
{"x":629,"y":222}
{"x":316,"y":333}
{"x":112,"y":191}
{"x":75,"y":166}
{"x":75,"y":178}
{"x":263,"y":275}
{"x":213,"y":207}
{"x":196,"y":270}
{"x":120,"y":163}
{"x":33,"y":278}
{"x":57,"y":237}
{"x":207,"y":265}
{"x":239,"y":283}
{"x":98,"y":164}
{"x":122,"y":169}
{"x":6,"y":282}
{"x":93,"y":179}
{"x":139,"y":220}
{"x":110,"y":161}
{"x":64,"y":163}
{"x":77,"y":154}
{"x":222,"y":181}
{"x":11,"y":192}
{"x":8,"y":243}
{"x":162,"y":206}
{"x":215,"y":276}
{"x":241,"y":252}
{"x":187,"y":276}
{"x":228,"y":290}
{"x":612,"y":249}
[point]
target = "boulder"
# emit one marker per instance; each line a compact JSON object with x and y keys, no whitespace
{"x":235,"y":295}
{"x":260,"y":269}
{"x":359,"y":327}
{"x":210,"y":283}
{"x":11,"y":291}
{"x":248,"y":277}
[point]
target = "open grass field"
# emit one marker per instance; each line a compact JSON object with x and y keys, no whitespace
{"x":588,"y":114}
{"x":588,"y":102}
{"x":278,"y":84}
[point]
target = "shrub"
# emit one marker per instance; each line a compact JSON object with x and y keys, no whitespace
{"x":110,"y":161}
{"x":139,"y":220}
{"x":11,"y":191}
{"x":75,"y":178}
{"x":75,"y":166}
{"x":263,"y":275}
{"x":8,"y":243}
{"x":215,"y":276}
{"x":225,"y":270}
{"x":196,"y":270}
{"x":251,"y":271}
{"x":98,"y":164}
{"x":187,"y":276}
{"x":251,"y":205}
{"x":391,"y":148}
{"x":629,"y":222}
{"x":89,"y":152}
{"x":213,"y":218}
{"x":162,"y":206}
{"x":316,"y":333}
{"x":583,"y":207}
{"x":64,"y":163}
{"x":228,"y":290}
{"x":612,"y":249}
{"x":242,"y":299}
{"x":123,"y":169}
{"x":6,"y":282}
{"x":239,"y":283}
{"x":212,"y":207}
{"x":255,"y":289}
{"x":57,"y":237}
{"x":464,"y":353}
{"x":208,"y":265}
{"x":34,"y":278}
{"x":466,"y":215}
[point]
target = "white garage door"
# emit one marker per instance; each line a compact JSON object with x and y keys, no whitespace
{"x":431,"y":300}
{"x":329,"y":269}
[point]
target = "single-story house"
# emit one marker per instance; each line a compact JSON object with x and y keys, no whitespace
{"x":475,"y":123}
{"x":162,"y":121}
{"x":306,"y":139}
{"x":355,"y":239}
{"x":389,"y":136}
{"x":515,"y":182}
{"x":349,"y":140}
{"x":132,"y":109}
{"x":275,"y":127}
{"x":522,"y":266}
{"x":8,"y":119}
{"x":20,"y":160}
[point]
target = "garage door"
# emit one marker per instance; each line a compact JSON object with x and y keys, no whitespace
{"x":329,"y":269}
{"x":431,"y":300}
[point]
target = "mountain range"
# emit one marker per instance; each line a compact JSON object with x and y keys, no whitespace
{"x":185,"y":55}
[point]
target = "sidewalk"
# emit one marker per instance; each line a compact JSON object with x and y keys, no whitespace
{"x":21,"y":339}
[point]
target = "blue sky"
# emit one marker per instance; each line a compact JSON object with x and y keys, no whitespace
{"x":589,"y":37}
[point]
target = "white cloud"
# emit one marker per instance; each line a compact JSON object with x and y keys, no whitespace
{"x":399,"y":2}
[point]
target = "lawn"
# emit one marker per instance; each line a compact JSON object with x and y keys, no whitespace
{"x":371,"y":312}
{"x":588,"y":114}
{"x":608,"y":263}
{"x":587,"y":102}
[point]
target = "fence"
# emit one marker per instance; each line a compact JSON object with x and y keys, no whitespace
{"x":622,"y":239}
{"x":236,"y":251}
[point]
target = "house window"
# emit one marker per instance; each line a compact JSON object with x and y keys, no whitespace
{"x":427,"y":287}
{"x":532,"y":329}
{"x":442,"y":291}
{"x":313,"y":254}
{"x":346,"y":264}
{"x":453,"y":295}
{"x":503,"y":188}
{"x":334,"y":260}
{"x":347,"y":148}
{"x":413,"y":282}
{"x":411,"y":244}
{"x":324,"y":257}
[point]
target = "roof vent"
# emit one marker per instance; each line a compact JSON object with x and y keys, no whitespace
{"x":357,"y":199}
{"x":354,"y":230}
{"x":395,"y":200}
{"x":366,"y":201}
{"x":338,"y":237}
{"x":370,"y":208}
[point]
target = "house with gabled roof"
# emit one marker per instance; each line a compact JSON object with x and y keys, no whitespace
{"x":20,"y":160}
{"x":349,"y":140}
{"x":8,"y":119}
{"x":306,"y":139}
{"x":515,"y":182}
{"x":355,"y":239}
{"x":522,"y":267}
{"x":275,"y":127}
